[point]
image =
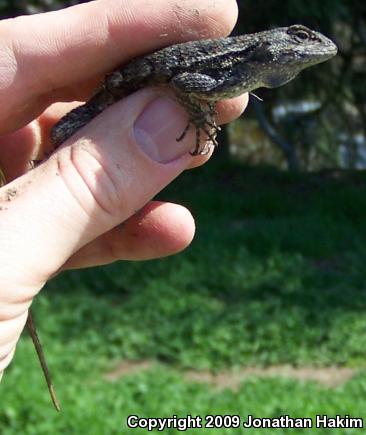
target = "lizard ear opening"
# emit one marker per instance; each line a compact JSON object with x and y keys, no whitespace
{"x":261,"y":53}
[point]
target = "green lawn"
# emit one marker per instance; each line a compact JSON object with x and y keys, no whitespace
{"x":274,"y":276}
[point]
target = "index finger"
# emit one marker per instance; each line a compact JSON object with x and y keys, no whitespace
{"x":57,"y":56}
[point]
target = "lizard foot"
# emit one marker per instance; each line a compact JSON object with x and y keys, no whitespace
{"x":210,"y":128}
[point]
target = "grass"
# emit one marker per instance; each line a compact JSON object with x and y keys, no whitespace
{"x":275,"y":276}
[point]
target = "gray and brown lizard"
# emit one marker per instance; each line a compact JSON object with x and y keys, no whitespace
{"x":204,"y":72}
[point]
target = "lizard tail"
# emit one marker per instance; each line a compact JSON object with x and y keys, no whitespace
{"x":79,"y":117}
{"x":37,"y":344}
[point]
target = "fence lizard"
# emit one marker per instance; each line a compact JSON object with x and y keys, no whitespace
{"x":204,"y":72}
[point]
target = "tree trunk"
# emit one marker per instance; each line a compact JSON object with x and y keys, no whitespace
{"x":287,"y":148}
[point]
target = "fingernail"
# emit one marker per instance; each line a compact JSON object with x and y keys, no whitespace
{"x":158,"y":126}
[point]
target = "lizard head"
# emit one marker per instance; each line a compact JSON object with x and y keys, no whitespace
{"x":288,"y":50}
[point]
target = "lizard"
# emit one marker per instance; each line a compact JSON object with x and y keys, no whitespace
{"x":205,"y":71}
{"x":201,"y":73}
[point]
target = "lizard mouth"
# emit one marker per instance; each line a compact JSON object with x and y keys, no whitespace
{"x":328,"y":49}
{"x":323,"y":55}
{"x":319,"y":54}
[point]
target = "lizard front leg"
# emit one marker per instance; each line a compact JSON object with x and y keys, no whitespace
{"x":192,"y":90}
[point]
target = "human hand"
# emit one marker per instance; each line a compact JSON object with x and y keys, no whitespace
{"x":66,"y":213}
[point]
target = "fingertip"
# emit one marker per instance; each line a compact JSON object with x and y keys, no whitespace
{"x":228,"y":110}
{"x":158,"y":230}
{"x":201,"y":159}
{"x":222,"y":18}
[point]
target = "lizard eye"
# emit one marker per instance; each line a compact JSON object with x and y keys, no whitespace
{"x":300,"y":33}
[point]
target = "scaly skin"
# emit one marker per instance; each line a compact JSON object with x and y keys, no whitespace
{"x":204,"y":72}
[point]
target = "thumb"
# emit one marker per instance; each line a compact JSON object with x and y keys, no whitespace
{"x":97,"y":179}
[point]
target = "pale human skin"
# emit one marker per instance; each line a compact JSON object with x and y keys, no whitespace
{"x":67,"y":212}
